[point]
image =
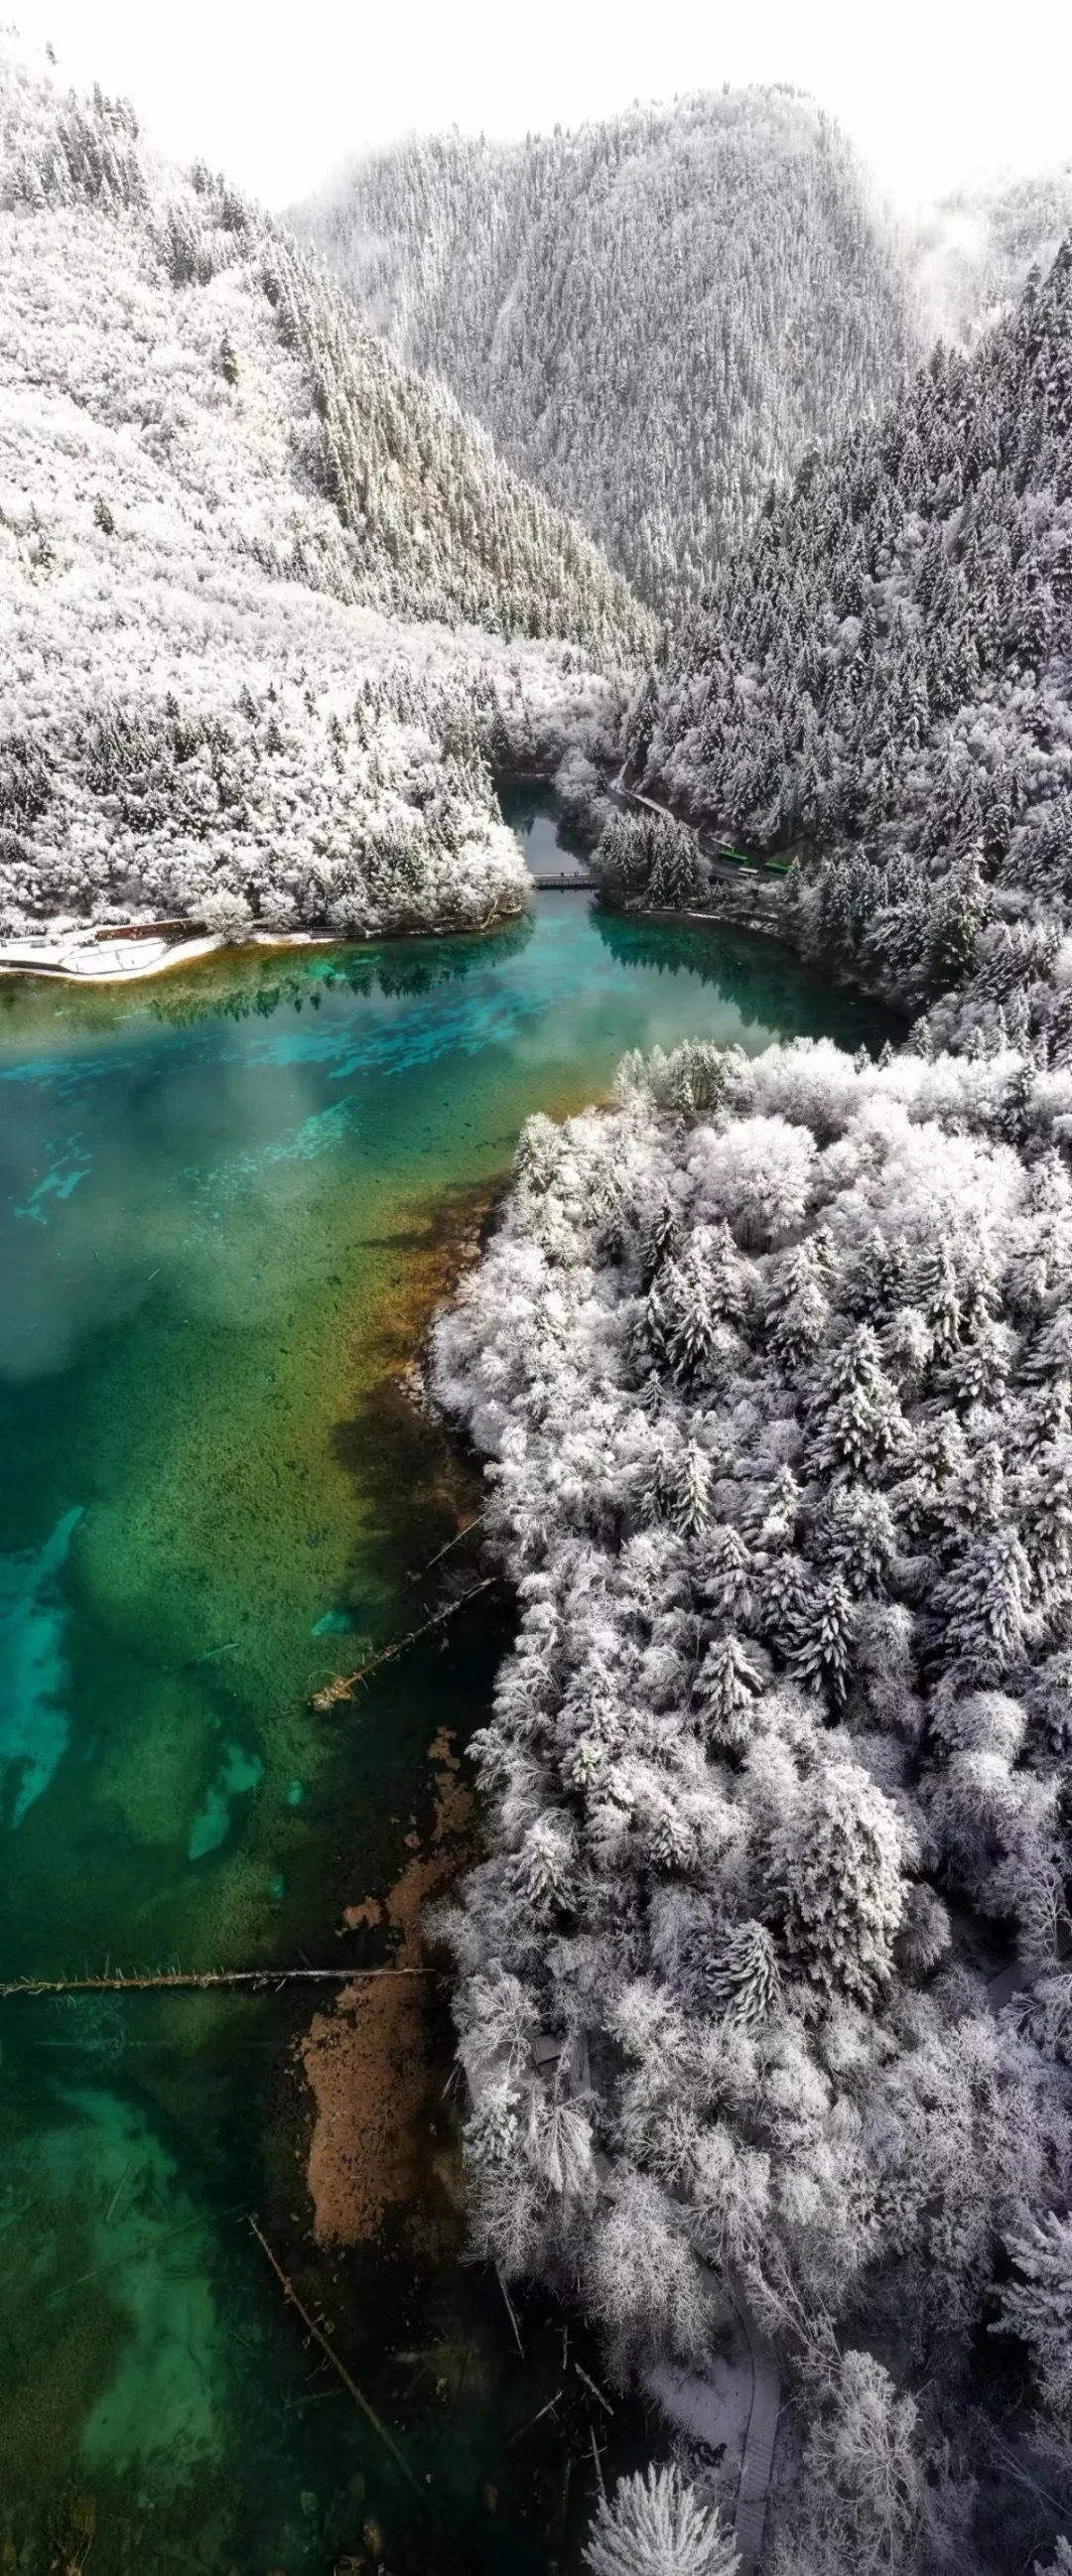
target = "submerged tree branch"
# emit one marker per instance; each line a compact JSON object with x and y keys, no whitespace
{"x":344,"y":1684}
{"x":339,"y":2367}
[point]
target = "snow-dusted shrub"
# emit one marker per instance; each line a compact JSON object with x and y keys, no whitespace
{"x":1061,"y":2562}
{"x":226,"y":913}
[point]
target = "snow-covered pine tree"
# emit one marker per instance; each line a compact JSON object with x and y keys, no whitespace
{"x":1037,"y":2303}
{"x":725,"y":1691}
{"x":836,"y":1877}
{"x":656,"y":2525}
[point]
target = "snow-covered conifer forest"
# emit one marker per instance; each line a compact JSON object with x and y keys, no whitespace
{"x":881,"y":683}
{"x":268,"y":604}
{"x":773,"y":1368}
{"x":652,"y":315}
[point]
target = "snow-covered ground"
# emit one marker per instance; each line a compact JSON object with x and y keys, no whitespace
{"x":101,"y":961}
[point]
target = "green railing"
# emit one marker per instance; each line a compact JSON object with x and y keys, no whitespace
{"x":757,"y":864}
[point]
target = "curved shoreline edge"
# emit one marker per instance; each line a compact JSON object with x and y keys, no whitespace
{"x":47,"y":964}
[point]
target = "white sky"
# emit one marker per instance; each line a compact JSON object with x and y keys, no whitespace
{"x":932,"y":91}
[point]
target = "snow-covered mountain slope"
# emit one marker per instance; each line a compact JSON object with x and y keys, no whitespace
{"x":885,"y":674}
{"x":653,"y":315}
{"x":973,"y":251}
{"x":266,"y":600}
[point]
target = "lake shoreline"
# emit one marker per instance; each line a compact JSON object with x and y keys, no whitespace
{"x":48,"y":968}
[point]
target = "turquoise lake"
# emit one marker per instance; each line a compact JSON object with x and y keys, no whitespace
{"x":229,"y":1202}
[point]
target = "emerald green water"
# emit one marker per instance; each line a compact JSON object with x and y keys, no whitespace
{"x":227,"y":1202}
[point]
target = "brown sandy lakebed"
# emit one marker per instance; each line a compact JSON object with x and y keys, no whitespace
{"x":383,"y":2141}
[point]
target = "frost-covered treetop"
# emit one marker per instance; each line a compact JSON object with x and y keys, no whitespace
{"x":656,"y":2526}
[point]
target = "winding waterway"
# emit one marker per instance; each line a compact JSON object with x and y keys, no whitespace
{"x":228,"y":1203}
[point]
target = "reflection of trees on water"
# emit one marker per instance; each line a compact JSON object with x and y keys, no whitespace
{"x":764,"y":981}
{"x":251,"y":983}
{"x":525,"y":801}
{"x":243,"y":983}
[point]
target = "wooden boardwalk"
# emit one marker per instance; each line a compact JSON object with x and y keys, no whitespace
{"x":726,"y":862}
{"x":731,"y":2404}
{"x":758,"y":2461}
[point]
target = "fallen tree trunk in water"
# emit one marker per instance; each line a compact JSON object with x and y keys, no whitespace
{"x":177,"y":1979}
{"x":344,"y":1684}
{"x":328,"y":2349}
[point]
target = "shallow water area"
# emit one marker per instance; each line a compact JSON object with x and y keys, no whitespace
{"x":228,"y":1203}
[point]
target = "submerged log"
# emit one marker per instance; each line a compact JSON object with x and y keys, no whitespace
{"x":339,"y":2367}
{"x":533,"y":2420}
{"x":179,"y":1980}
{"x":343,"y":1685}
{"x":457,"y":1538}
